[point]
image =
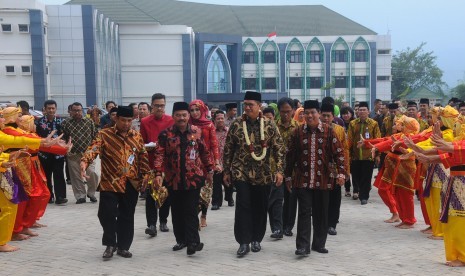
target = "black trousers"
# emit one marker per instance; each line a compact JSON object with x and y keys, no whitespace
{"x":54,"y":168}
{"x":334,"y":207}
{"x":68,"y":177}
{"x":217,"y":196}
{"x":251,"y":210}
{"x":289,"y":209}
{"x":362,"y":172}
{"x":275,"y":207}
{"x":116,"y":215}
{"x":184,"y":210}
{"x":312,"y":203}
{"x":347,"y":185}
{"x":151,"y":211}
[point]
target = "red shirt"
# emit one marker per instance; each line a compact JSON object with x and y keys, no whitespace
{"x":150,"y":128}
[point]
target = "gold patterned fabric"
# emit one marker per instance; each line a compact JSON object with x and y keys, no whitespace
{"x":237,"y":157}
{"x":23,"y":172}
{"x":369,"y":130}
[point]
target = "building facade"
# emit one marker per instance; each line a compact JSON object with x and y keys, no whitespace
{"x":92,"y":51}
{"x":67,"y":53}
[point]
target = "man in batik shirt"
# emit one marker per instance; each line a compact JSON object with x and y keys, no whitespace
{"x":312,"y":148}
{"x":247,"y":163}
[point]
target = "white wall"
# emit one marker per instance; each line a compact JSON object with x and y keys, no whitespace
{"x":151,"y":62}
{"x":383,"y":67}
{"x":15,"y":50}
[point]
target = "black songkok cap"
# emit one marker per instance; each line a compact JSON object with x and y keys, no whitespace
{"x":393,"y":106}
{"x":412,"y":104}
{"x":230,"y":105}
{"x":125,"y":111}
{"x":311,"y":104}
{"x":113,"y":109}
{"x":180,"y":106}
{"x":424,"y":101}
{"x":327,"y":108}
{"x":252,"y":95}
{"x":363,"y":104}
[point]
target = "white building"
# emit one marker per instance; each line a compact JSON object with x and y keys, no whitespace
{"x":99,"y":50}
{"x":67,"y":53}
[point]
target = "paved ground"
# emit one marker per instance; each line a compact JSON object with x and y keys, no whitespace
{"x":365,"y":245}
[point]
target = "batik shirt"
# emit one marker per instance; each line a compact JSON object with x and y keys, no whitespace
{"x":369,"y":130}
{"x":221,"y":137}
{"x":237,"y":157}
{"x":44,"y":127}
{"x":123,"y":158}
{"x":312,"y":150}
{"x":183,"y":157}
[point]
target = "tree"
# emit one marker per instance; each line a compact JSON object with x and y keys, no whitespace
{"x":459,"y":91}
{"x":414,"y":68}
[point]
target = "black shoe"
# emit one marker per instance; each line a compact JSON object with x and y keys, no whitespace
{"x":302,"y":252}
{"x":277,"y":235}
{"x":179,"y":246}
{"x":363,"y":201}
{"x":151,"y":230}
{"x":68,"y":181}
{"x":243,"y":250}
{"x":109,"y":252}
{"x":124,"y":253}
{"x":194,"y":247}
{"x":164,"y":227}
{"x":231,"y":203}
{"x":288,"y":232}
{"x":256,"y":247}
{"x":142,"y":195}
{"x":321,"y":250}
{"x":332,"y":231}
{"x":51,"y":200}
{"x":215,"y":207}
{"x":60,"y":201}
{"x":93,"y":199}
{"x":81,"y":200}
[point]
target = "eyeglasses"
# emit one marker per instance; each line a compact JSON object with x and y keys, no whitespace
{"x":159,"y":106}
{"x":249,"y":105}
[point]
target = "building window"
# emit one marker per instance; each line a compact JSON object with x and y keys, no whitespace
{"x":295,"y":57}
{"x":340,"y":82}
{"x":340,"y":56}
{"x":249,"y":84}
{"x":45,"y":30}
{"x":249,"y":57}
{"x":360,"y":55}
{"x":25,"y":70}
{"x":384,"y":52}
{"x":6,"y":28}
{"x":270,"y":83}
{"x":315,"y":57}
{"x":23,"y":28}
{"x":295,"y":83}
{"x":360,"y":82}
{"x":269,"y":57}
{"x":10,"y":70}
{"x":314,"y":82}
{"x":383,"y":78}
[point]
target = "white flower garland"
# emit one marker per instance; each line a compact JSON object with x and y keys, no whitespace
{"x":262,"y":139}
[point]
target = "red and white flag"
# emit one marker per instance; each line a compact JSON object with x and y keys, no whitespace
{"x":272,"y":36}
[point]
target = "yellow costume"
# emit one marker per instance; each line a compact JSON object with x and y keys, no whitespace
{"x":7,"y":208}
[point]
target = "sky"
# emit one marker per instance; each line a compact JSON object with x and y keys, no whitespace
{"x":441,"y":24}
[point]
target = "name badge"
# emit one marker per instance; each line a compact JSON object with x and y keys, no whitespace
{"x":192,"y":155}
{"x":367,"y":135}
{"x":131,"y":159}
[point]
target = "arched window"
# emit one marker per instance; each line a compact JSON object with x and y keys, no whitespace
{"x":218,"y":72}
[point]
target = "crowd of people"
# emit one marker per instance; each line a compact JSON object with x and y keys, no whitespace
{"x":278,"y":158}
